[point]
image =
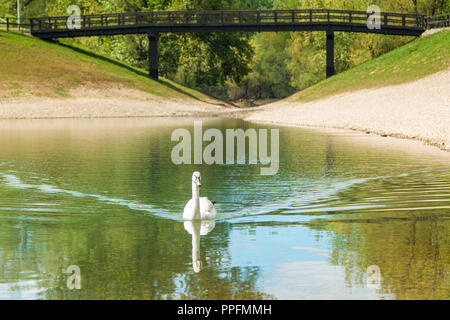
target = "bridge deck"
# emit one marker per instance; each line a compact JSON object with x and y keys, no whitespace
{"x":227,"y":21}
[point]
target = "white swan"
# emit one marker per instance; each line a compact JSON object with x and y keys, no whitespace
{"x":198,"y":207}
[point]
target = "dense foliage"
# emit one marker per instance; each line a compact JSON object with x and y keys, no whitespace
{"x":235,"y":65}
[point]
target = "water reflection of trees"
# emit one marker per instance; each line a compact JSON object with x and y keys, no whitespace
{"x":412,"y":252}
{"x":126,"y":255}
{"x":123,"y":258}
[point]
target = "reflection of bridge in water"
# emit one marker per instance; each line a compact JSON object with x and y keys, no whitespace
{"x":152,"y":23}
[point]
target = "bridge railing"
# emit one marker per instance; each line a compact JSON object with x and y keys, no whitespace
{"x":442,"y":20}
{"x":264,"y":17}
{"x":11,"y":24}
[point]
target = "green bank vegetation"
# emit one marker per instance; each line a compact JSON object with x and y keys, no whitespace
{"x":29,"y":66}
{"x":229,"y":66}
{"x":237,"y":65}
{"x":410,"y":62}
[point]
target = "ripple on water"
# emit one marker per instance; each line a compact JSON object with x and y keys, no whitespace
{"x":422,"y":190}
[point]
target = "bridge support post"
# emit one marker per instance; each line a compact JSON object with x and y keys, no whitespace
{"x":330,"y":53}
{"x":153,"y":55}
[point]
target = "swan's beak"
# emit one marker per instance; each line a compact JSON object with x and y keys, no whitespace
{"x":199,"y":182}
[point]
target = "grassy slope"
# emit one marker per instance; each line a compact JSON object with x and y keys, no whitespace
{"x":410,"y":62}
{"x":30,"y":66}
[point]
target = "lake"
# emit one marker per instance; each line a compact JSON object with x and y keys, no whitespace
{"x":347,"y":216}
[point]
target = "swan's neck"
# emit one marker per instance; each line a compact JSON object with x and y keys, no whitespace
{"x":196,"y":198}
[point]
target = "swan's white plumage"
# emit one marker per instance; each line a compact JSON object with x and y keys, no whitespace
{"x":207,"y":210}
{"x":198,"y":207}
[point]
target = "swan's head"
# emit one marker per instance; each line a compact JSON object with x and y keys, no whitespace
{"x":196,"y":178}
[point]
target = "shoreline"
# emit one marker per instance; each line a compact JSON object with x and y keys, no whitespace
{"x":397,"y":137}
{"x":418,"y":110}
{"x":115,"y":102}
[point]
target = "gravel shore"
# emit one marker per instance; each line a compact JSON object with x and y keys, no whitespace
{"x":418,"y":110}
{"x":84,"y":102}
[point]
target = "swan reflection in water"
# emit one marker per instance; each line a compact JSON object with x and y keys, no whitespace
{"x":197,"y":229}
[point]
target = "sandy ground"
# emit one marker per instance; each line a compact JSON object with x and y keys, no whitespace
{"x":113,"y":102}
{"x":431,"y":31}
{"x":418,"y":110}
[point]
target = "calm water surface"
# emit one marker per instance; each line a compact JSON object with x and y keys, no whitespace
{"x":105,"y":196}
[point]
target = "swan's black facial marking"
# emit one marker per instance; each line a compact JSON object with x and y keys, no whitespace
{"x":197,"y":180}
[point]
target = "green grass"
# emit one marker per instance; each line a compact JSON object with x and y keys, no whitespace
{"x":29,"y":66}
{"x":415,"y":60}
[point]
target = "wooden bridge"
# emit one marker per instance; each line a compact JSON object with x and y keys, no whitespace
{"x":152,"y":23}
